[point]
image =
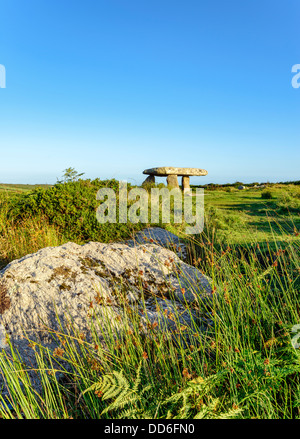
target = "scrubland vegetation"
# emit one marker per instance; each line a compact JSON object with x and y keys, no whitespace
{"x":244,"y":367}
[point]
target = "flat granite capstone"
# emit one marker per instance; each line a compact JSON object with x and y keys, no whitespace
{"x":169,"y":170}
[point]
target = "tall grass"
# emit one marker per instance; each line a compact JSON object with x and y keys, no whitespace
{"x":25,"y":237}
{"x":21,"y":237}
{"x":242,"y":365}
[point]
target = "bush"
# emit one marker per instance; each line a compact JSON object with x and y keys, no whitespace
{"x":71,"y":207}
{"x":289,"y":202}
{"x":229,"y":189}
{"x":267,"y":195}
{"x":223,"y":220}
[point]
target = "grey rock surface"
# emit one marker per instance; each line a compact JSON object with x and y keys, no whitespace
{"x":149,"y":179}
{"x":172,"y":181}
{"x":73,"y":279}
{"x":185,"y":183}
{"x":164,"y":171}
{"x":161,"y":237}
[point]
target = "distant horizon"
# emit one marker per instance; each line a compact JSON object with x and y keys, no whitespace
{"x":163,"y":180}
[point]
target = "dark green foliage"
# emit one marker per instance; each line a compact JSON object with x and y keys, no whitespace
{"x":267,"y":195}
{"x":72,"y":207}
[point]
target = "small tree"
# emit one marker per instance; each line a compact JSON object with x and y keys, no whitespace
{"x":70,"y":174}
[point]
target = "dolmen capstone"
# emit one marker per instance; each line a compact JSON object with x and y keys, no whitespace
{"x":172,"y":175}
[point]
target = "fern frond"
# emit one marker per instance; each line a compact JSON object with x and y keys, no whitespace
{"x":230,"y":414}
{"x":191,"y":398}
{"x":115,"y":386}
{"x":196,"y":386}
{"x":138,"y":378}
{"x":210,"y":411}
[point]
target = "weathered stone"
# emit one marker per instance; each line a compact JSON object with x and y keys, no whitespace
{"x":185,"y":180}
{"x":44,"y":289}
{"x":161,"y":237}
{"x":172,"y":173}
{"x":172,"y":181}
{"x":168,"y":170}
{"x":149,"y":179}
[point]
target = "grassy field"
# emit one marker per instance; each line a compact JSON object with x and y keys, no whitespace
{"x":254,"y":217}
{"x":19,"y":188}
{"x":245,"y":366}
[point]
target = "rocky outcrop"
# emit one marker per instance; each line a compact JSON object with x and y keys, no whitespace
{"x":161,"y":237}
{"x":80,"y":281}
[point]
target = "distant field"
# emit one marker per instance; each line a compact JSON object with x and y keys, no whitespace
{"x":17,"y":188}
{"x":239,"y":216}
{"x":251,"y":216}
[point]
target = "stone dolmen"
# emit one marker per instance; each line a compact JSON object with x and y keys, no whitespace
{"x":172,"y":174}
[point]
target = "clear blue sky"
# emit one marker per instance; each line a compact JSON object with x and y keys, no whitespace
{"x":112,"y":87}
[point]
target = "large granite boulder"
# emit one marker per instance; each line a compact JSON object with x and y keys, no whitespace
{"x":79,"y":281}
{"x":161,"y":237}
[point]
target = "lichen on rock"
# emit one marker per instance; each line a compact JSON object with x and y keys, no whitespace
{"x":39,"y":290}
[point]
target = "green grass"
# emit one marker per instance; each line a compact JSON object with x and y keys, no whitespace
{"x":19,"y":188}
{"x":254,"y":216}
{"x":244,"y":367}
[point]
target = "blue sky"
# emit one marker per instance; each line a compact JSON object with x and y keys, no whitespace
{"x":112,"y":87}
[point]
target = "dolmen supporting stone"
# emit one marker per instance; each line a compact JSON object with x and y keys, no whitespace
{"x":172,"y":175}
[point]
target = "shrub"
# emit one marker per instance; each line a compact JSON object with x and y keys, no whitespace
{"x":223,"y":220}
{"x":71,"y":207}
{"x":289,"y":202}
{"x":229,"y":189}
{"x":267,"y":195}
